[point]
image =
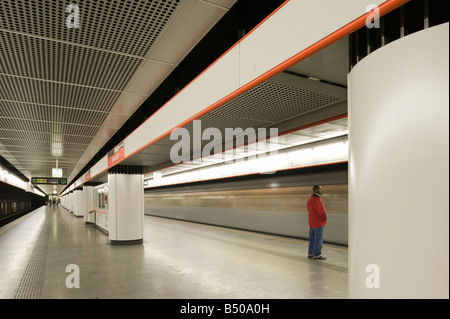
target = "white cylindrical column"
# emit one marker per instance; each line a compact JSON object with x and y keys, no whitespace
{"x":88,"y":205}
{"x":126,"y":208}
{"x":75,"y":202}
{"x":71,"y":196}
{"x":398,"y":169}
{"x":78,"y":207}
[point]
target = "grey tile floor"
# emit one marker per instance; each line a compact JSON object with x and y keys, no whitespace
{"x":178,"y":259}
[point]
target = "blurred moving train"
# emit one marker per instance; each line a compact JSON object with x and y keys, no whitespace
{"x":267,"y":204}
{"x":9,"y":208}
{"x":15,"y":203}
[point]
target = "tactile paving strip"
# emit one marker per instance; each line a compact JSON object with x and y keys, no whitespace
{"x":30,"y":286}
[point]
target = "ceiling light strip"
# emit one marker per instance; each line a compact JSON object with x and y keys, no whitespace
{"x":59,"y":82}
{"x":60,"y":106}
{"x":215,"y":5}
{"x":37,"y":140}
{"x":52,"y":122}
{"x":279,"y":146}
{"x":41,"y":132}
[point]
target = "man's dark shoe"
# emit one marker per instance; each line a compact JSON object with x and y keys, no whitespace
{"x":319,"y":258}
{"x":310,"y":256}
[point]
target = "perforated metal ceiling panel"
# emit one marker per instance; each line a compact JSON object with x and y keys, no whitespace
{"x":271,"y":103}
{"x":130,"y":27}
{"x":60,"y":86}
{"x":48,"y":59}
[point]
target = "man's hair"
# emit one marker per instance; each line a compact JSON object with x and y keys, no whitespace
{"x":315,"y":187}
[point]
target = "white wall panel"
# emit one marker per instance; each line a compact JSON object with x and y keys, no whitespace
{"x":215,"y":83}
{"x":126,"y":207}
{"x":293,"y":28}
{"x":100,"y":166}
{"x":399,"y":169}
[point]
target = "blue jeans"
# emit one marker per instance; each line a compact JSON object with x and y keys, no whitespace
{"x":315,"y":241}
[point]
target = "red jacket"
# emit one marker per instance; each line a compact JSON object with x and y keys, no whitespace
{"x":316,"y":212}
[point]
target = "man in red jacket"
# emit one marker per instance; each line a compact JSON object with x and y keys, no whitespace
{"x":317,"y":220}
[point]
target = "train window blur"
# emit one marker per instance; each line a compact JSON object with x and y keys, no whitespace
{"x":9,"y":207}
{"x":277,"y":199}
{"x":271,"y":204}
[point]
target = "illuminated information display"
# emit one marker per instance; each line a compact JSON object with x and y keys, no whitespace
{"x":49,"y":180}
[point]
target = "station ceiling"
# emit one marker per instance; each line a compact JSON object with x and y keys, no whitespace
{"x":65,"y":92}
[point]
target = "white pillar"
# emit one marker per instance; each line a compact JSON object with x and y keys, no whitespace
{"x":88,"y":205}
{"x":398,"y":169}
{"x":126,"y":208}
{"x":75,"y":202}
{"x":78,"y":206}
{"x":71,"y":195}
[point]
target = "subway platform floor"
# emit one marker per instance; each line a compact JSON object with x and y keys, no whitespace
{"x":177,"y":260}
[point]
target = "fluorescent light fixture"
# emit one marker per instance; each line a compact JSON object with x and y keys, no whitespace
{"x":8,"y":178}
{"x":280,"y":152}
{"x":306,"y":156}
